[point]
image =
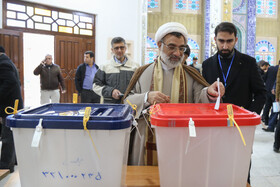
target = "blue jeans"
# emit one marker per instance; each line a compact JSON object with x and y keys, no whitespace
{"x":272,"y":121}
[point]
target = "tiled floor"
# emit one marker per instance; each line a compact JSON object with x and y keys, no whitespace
{"x":265,"y":162}
{"x":265,"y":170}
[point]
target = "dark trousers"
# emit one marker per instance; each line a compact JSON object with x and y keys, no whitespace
{"x":249,"y":176}
{"x":8,"y":153}
{"x":277,"y":136}
{"x":270,"y":98}
{"x":272,"y":120}
{"x":89,"y":96}
{"x":131,"y":141}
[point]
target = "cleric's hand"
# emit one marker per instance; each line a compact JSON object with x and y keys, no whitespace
{"x":213,"y":89}
{"x":157,"y":97}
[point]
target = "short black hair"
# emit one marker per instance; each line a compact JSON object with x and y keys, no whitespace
{"x":91,"y":54}
{"x":2,"y":49}
{"x":265,"y":64}
{"x":226,"y":27}
{"x":260,"y":63}
{"x":188,"y":50}
{"x":117,"y":40}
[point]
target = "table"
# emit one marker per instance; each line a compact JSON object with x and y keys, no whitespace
{"x":4,"y":173}
{"x":142,"y":176}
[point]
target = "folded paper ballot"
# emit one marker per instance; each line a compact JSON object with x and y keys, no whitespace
{"x":276,"y":107}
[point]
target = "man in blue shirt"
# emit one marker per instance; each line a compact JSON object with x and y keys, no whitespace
{"x":84,"y":79}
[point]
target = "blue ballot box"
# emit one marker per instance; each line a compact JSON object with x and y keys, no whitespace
{"x":56,"y":147}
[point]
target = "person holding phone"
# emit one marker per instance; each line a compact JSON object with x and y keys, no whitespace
{"x":51,"y":80}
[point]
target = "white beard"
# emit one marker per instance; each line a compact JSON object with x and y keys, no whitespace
{"x":170,"y":63}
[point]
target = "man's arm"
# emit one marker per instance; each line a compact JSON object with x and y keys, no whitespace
{"x":201,"y":96}
{"x":258,"y":89}
{"x":7,"y":79}
{"x":207,"y":94}
{"x":100,"y":86}
{"x":78,"y":79}
{"x":38,"y":69}
{"x":61,"y":81}
{"x":137,"y":98}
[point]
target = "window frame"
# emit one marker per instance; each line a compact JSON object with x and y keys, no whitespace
{"x":275,"y":16}
{"x":35,"y":5}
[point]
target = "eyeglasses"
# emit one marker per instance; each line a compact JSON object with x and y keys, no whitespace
{"x":173,"y":48}
{"x":119,"y":47}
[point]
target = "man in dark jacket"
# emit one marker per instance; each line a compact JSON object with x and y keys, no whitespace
{"x":237,"y":71}
{"x":112,"y":78}
{"x":263,"y":67}
{"x":50,"y":78}
{"x":269,"y":79}
{"x":9,"y":92}
{"x":84,"y":79}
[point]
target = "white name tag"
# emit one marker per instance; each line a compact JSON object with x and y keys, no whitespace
{"x":275,"y":107}
{"x":192,"y":131}
{"x":217,"y":105}
{"x":37,"y":134}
